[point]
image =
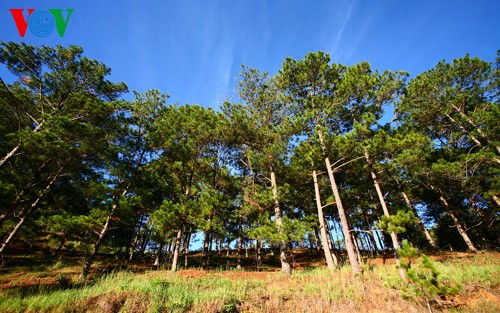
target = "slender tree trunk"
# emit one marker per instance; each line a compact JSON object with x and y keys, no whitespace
{"x":169,"y":252}
{"x":176,"y":248}
{"x":496,"y":200}
{"x":17,"y":200}
{"x":97,"y":244}
{"x":145,"y":239}
{"x":258,"y":254}
{"x":24,"y":215}
{"x":135,"y":241}
{"x":371,"y":237}
{"x":158,"y":256}
{"x":330,"y":244}
{"x":206,"y":243}
{"x":394,"y":236}
{"x":380,"y":240}
{"x":478,"y":129}
{"x":102,"y":234}
{"x":285,"y":264}
{"x":336,"y":244}
{"x":343,"y":217}
{"x":240,"y":241}
{"x":458,"y":225}
{"x":14,"y":150}
{"x":187,"y":242}
{"x":426,"y":231}
{"x":356,"y":247}
{"x":13,"y":232}
{"x":316,"y":239}
{"x":324,"y":241}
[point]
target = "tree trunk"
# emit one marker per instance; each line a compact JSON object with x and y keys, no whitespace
{"x":496,"y":200}
{"x":135,"y":241}
{"x":371,"y":237}
{"x":14,"y":150}
{"x":205,"y":254}
{"x":187,"y":241}
{"x":324,"y":241}
{"x":158,"y":256}
{"x":258,"y":254}
{"x":240,"y":241}
{"x":394,"y":236}
{"x":356,"y":247}
{"x":145,"y":239}
{"x":24,"y":215}
{"x":426,"y":231}
{"x":176,"y":248}
{"x":343,"y":217}
{"x":285,"y":264}
{"x":457,"y":223}
{"x":478,"y":129}
{"x":316,"y":239}
{"x":102,"y":234}
{"x":330,"y":244}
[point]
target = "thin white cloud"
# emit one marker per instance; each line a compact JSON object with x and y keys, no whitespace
{"x":343,"y":12}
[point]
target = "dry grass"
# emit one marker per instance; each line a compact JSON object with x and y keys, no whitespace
{"x":55,"y":289}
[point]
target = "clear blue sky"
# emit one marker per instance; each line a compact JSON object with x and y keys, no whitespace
{"x":193,"y":50}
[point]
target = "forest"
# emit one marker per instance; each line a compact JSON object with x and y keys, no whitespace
{"x":348,"y":161}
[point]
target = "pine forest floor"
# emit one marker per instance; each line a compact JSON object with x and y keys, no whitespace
{"x":34,"y":284}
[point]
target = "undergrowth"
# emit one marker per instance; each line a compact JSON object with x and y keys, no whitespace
{"x":314,"y":290}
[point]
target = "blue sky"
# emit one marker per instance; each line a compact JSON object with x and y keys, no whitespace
{"x":193,"y":50}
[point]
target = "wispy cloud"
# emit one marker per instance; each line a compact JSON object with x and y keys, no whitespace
{"x":343,"y":12}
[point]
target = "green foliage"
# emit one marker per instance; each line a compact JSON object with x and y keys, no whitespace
{"x":396,"y":223}
{"x":424,"y":280}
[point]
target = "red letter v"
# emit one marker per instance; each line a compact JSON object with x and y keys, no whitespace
{"x":21,"y":23}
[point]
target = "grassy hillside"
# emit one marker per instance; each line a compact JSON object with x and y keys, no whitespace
{"x":32,"y":285}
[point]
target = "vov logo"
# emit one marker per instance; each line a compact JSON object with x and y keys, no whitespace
{"x":41,"y":23}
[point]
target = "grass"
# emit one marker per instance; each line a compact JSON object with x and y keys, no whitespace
{"x":55,"y":288}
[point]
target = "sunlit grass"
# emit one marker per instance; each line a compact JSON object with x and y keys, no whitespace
{"x":313,"y":290}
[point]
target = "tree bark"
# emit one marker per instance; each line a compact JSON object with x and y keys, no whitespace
{"x":324,"y":241}
{"x":32,"y":207}
{"x":206,"y":242}
{"x":394,"y":236}
{"x":14,"y":150}
{"x":176,"y":248}
{"x":187,"y":241}
{"x":458,"y":225}
{"x":240,"y":241}
{"x":371,"y":236}
{"x":496,"y":200}
{"x":285,"y":264}
{"x":158,"y":256}
{"x":343,"y":217}
{"x":426,"y":231}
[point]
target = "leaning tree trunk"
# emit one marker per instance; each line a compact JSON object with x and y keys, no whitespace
{"x":32,"y":207}
{"x":102,"y":235}
{"x":14,"y":150}
{"x":425,"y":230}
{"x":285,"y":264}
{"x":457,"y":223}
{"x":394,"y":236}
{"x":343,"y":217}
{"x":324,"y":241}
